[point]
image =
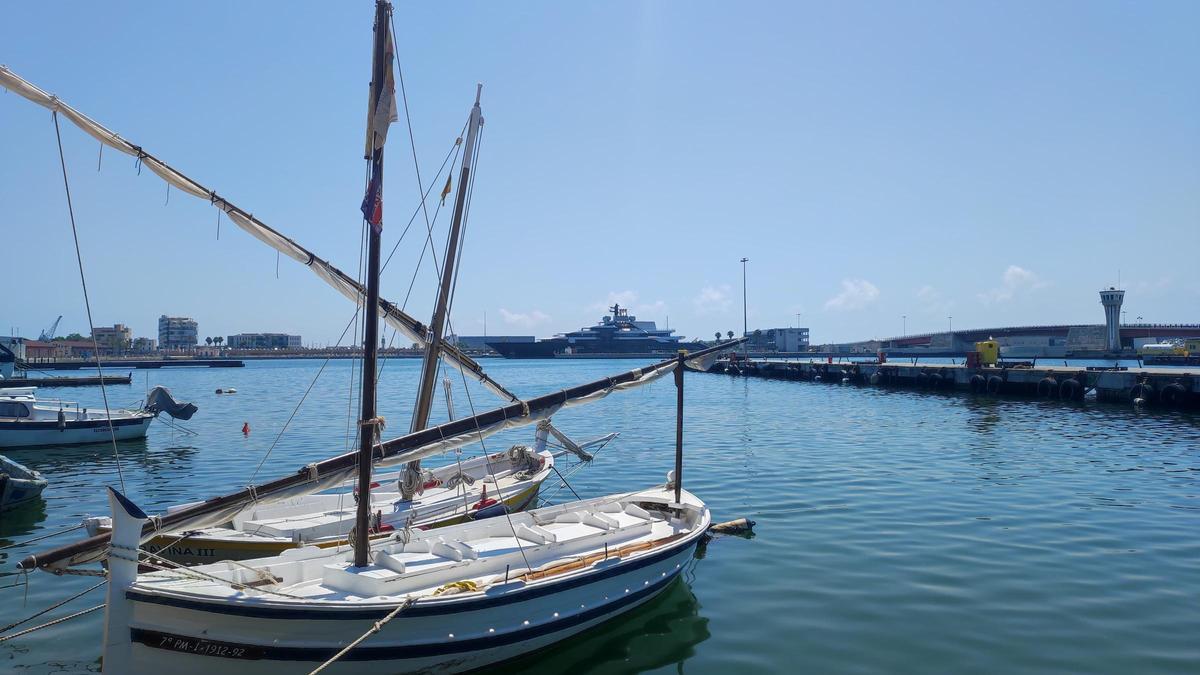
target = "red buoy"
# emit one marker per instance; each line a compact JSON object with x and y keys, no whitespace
{"x":246,"y":428}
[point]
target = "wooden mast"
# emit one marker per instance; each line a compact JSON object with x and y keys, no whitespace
{"x":437,"y":326}
{"x":368,"y":422}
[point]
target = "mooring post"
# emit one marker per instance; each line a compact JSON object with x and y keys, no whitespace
{"x":679,"y":424}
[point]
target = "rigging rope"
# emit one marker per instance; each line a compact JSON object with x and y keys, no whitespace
{"x":412,"y":143}
{"x":51,"y":608}
{"x":55,"y":622}
{"x":302,"y":399}
{"x":44,"y":536}
{"x":112,"y":433}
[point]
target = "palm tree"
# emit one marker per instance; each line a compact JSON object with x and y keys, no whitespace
{"x":718,"y":336}
{"x":730,"y":334}
{"x":219,"y":340}
{"x":208,"y":341}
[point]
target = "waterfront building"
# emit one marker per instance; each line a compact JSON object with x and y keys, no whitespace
{"x":263,"y":341}
{"x":779,"y":339}
{"x":177,"y":332}
{"x":144,"y":345}
{"x":115,"y":339}
{"x":37,"y":349}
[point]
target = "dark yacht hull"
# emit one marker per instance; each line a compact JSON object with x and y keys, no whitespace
{"x":562,"y":349}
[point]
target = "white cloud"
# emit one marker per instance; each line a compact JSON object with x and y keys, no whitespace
{"x":855,"y":294}
{"x":713,"y":300}
{"x":933,"y":301}
{"x":524,"y":319}
{"x":629,"y":300}
{"x":1151,"y":287}
{"x":1014,"y":281}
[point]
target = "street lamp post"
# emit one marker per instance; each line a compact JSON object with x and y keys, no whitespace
{"x":745,"y":324}
{"x":951,"y":320}
{"x":904,"y":325}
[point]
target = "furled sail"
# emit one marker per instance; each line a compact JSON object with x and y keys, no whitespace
{"x":332,"y":472}
{"x":408,"y":326}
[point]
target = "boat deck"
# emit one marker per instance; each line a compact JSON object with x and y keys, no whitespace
{"x":465,"y":560}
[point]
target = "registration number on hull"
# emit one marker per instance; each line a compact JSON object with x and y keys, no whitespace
{"x":198,"y":646}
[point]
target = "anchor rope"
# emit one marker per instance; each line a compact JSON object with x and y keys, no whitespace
{"x":44,"y":536}
{"x":51,"y":608}
{"x":55,"y":622}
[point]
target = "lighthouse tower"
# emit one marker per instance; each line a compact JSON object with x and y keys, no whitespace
{"x":1112,"y":299}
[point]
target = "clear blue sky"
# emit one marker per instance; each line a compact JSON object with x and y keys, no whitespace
{"x":994,"y":161}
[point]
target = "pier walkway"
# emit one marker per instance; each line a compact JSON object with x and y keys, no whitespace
{"x":1170,"y":387}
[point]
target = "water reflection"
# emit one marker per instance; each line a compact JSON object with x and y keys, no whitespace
{"x":18,"y":522}
{"x":662,"y":632}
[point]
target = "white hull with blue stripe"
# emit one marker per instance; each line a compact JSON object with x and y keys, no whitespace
{"x":27,"y":421}
{"x":472,"y":594}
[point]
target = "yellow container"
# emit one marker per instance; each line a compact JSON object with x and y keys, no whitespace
{"x":989,"y":352}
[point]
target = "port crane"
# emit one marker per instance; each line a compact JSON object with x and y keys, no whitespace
{"x":48,"y":334}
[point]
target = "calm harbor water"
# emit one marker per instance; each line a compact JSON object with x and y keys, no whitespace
{"x":897,"y":531}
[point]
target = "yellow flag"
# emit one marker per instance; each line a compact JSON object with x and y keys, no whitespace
{"x":446,"y":190}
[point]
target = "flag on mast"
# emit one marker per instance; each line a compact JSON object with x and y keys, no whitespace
{"x":381,"y":112}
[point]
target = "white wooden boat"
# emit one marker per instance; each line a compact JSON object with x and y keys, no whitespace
{"x":475,"y":489}
{"x":18,"y":484}
{"x":26,"y":420}
{"x":464,"y":596}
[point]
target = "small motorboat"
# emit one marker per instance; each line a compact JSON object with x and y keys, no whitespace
{"x":27,"y":421}
{"x":18,"y":484}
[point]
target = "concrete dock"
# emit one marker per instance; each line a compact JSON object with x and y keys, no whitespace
{"x":67,"y":381}
{"x":122,"y":364}
{"x":1168,"y":387}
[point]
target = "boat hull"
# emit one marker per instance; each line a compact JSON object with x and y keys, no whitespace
{"x":19,"y":485}
{"x":35,"y":434}
{"x":185,"y":637}
{"x":560,"y":348}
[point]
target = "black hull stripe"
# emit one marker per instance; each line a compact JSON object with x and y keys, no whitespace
{"x":71,"y":424}
{"x":277,"y":612}
{"x":154,"y":639}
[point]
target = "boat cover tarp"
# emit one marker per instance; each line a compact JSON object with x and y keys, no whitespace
{"x":159,"y":400}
